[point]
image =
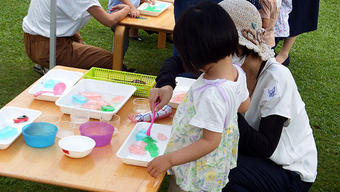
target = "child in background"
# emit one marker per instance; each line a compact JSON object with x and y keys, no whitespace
{"x":134,"y":12}
{"x":133,"y":4}
{"x":269,"y":13}
{"x":203,"y":145}
{"x":281,"y":30}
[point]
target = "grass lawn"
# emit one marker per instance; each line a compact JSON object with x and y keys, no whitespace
{"x":315,"y":64}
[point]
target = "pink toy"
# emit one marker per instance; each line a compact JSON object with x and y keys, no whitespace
{"x":58,"y":89}
{"x":161,"y":137}
{"x":91,"y":104}
{"x":91,"y":95}
{"x":138,"y":148}
{"x":148,"y":132}
{"x":117,"y":99}
{"x":147,"y":117}
{"x":178,"y":98}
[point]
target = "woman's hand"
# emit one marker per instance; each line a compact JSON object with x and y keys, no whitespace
{"x":159,"y":165}
{"x":152,"y":2}
{"x":161,"y":95}
{"x":134,"y":12}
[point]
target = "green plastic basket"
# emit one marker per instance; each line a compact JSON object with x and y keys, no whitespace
{"x":142,"y":82}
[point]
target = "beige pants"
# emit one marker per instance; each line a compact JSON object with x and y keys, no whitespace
{"x":68,"y":53}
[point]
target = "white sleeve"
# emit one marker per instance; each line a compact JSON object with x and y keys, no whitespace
{"x":244,"y":88}
{"x":280,"y":97}
{"x":75,"y":8}
{"x":243,"y":94}
{"x":211,"y":111}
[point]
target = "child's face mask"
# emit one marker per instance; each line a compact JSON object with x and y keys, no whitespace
{"x":238,"y":60}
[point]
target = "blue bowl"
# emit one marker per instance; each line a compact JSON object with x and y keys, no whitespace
{"x":40,"y":134}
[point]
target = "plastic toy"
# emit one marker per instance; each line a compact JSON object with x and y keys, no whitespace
{"x":20,"y":119}
{"x":147,"y":117}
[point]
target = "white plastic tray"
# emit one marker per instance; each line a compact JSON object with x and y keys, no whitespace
{"x":65,"y":76}
{"x":7,"y":114}
{"x":153,"y":10}
{"x":142,"y":160}
{"x":108,"y":90}
{"x":182,"y":86}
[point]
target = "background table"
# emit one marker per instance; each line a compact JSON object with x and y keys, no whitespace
{"x":100,"y":171}
{"x":162,"y":24}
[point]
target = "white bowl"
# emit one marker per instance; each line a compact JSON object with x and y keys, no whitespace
{"x":76,"y":146}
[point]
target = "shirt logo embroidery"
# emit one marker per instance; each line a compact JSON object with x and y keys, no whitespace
{"x":271,"y":92}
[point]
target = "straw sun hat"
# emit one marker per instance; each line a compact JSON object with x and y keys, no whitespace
{"x":249,"y":26}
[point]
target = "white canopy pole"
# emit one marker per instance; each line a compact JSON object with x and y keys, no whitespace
{"x":53,"y":34}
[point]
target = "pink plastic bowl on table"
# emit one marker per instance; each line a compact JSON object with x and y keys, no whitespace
{"x":100,"y":132}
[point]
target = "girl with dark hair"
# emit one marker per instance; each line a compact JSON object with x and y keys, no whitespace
{"x":203,"y":145}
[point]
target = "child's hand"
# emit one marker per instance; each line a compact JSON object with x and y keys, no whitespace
{"x":161,"y":95}
{"x":159,"y":165}
{"x":119,"y":7}
{"x":134,"y":12}
{"x":152,"y":2}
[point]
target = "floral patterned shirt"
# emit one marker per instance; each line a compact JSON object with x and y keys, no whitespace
{"x":218,"y":114}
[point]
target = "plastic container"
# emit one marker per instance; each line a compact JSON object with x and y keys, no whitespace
{"x":78,"y":119}
{"x":108,"y":90}
{"x":7,"y":114}
{"x":182,"y":86}
{"x":141,"y":105}
{"x":143,"y":83}
{"x":76,"y":146}
{"x":52,"y":77}
{"x":100,"y":132}
{"x":153,"y":10}
{"x":39,"y":134}
{"x":65,"y":129}
{"x":142,"y":160}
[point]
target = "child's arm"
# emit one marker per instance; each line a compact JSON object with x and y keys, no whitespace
{"x":265,"y":12}
{"x":265,"y":23}
{"x":200,"y":148}
{"x":244,"y":106}
{"x":133,"y":11}
{"x":152,"y":2}
{"x":107,"y":19}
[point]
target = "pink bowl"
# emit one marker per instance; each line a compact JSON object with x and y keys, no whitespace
{"x":100,"y":132}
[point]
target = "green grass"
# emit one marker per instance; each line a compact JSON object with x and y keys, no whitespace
{"x":315,"y":64}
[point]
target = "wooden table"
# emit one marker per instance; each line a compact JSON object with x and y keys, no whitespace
{"x":100,"y":171}
{"x":162,"y":24}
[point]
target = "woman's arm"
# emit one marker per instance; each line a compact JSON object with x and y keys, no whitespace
{"x":260,"y":143}
{"x":107,"y":19}
{"x":200,"y":148}
{"x":170,"y":68}
{"x":244,"y":106}
{"x":166,"y":82}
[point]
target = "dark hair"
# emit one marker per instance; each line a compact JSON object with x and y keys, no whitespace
{"x":245,"y":51}
{"x":204,"y":34}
